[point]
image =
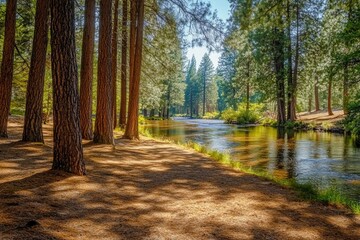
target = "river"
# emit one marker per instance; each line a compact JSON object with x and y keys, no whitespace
{"x":325,"y":159}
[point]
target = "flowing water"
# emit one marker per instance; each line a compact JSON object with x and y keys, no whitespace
{"x":325,"y":159}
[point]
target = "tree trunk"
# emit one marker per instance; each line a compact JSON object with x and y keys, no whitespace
{"x":35,"y":87}
{"x":122,"y":117}
{"x":317,"y":101}
{"x":330,"y":96}
{"x":86,"y":74}
{"x":248,"y":87}
{"x":7,"y":66}
{"x":296,"y":67}
{"x":346,"y":89}
{"x":204,"y":94}
{"x":290,"y":67}
{"x":114,"y":59}
{"x":279,"y":72}
{"x":68,"y":151}
{"x":103,"y":123}
{"x":132,"y":131}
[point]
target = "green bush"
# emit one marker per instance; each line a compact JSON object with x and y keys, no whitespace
{"x":352,"y":121}
{"x":211,"y":115}
{"x":242,"y":116}
{"x":229,"y":115}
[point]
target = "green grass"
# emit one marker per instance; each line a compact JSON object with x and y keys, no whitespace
{"x":307,"y":191}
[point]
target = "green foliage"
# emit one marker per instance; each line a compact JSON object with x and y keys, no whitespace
{"x":141,"y":120}
{"x":242,"y":115}
{"x":211,"y":115}
{"x":352,"y":121}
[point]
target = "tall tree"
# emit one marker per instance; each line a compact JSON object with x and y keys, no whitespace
{"x":86,"y":73}
{"x":124,"y":44}
{"x":35,"y":86}
{"x":7,"y":67}
{"x":114,"y":59}
{"x":103,"y":123}
{"x":136,"y":48}
{"x":206,"y":71}
{"x":68,"y":151}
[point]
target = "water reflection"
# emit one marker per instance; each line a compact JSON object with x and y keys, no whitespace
{"x":327,"y":159}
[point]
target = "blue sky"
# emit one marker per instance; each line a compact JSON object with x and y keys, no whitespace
{"x":222,"y":7}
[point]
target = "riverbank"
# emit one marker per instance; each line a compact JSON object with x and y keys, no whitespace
{"x":150,"y":190}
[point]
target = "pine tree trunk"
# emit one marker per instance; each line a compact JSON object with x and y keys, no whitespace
{"x":317,"y":100}
{"x":290,"y":67}
{"x":280,"y":76}
{"x":35,"y":87}
{"x":103,"y":123}
{"x":114,"y":59}
{"x":296,"y":67}
{"x":330,"y":96}
{"x":346,"y":89}
{"x":132,"y":131}
{"x":204,"y":94}
{"x":7,"y":66}
{"x":124,"y":43}
{"x":87,"y":64}
{"x":248,"y":86}
{"x":68,"y":151}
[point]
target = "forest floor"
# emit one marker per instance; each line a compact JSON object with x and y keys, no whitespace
{"x":150,"y":190}
{"x":320,"y":117}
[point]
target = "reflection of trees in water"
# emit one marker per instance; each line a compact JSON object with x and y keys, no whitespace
{"x":280,"y":151}
{"x":285,"y":152}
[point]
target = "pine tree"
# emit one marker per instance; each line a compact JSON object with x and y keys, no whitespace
{"x":68,"y":151}
{"x":86,"y":74}
{"x":35,"y":87}
{"x":103,"y":123}
{"x":7,"y":66}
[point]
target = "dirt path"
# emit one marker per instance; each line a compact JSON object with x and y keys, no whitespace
{"x":322,"y":117}
{"x":150,"y":190}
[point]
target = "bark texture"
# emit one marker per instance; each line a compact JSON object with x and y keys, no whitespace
{"x":86,"y":74}
{"x":7,"y":67}
{"x":136,"y":36}
{"x":114,"y":60}
{"x":35,"y":86}
{"x":124,"y":43}
{"x":103,"y":123}
{"x":68,"y":151}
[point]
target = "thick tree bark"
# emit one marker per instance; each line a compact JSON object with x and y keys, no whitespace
{"x":114,"y":60}
{"x":68,"y":151}
{"x":124,"y":43}
{"x":7,"y":67}
{"x":35,"y":87}
{"x":137,"y":14}
{"x":86,"y":74}
{"x":103,"y":123}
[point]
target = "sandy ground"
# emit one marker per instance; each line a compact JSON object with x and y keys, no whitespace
{"x":321,"y":116}
{"x":150,"y":190}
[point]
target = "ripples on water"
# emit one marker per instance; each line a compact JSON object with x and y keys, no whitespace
{"x":325,"y":158}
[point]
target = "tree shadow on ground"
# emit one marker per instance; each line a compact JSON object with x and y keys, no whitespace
{"x":150,"y":190}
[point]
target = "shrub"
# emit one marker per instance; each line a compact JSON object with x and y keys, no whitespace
{"x":211,"y":115}
{"x":229,"y":115}
{"x":242,"y":116}
{"x":352,"y":121}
